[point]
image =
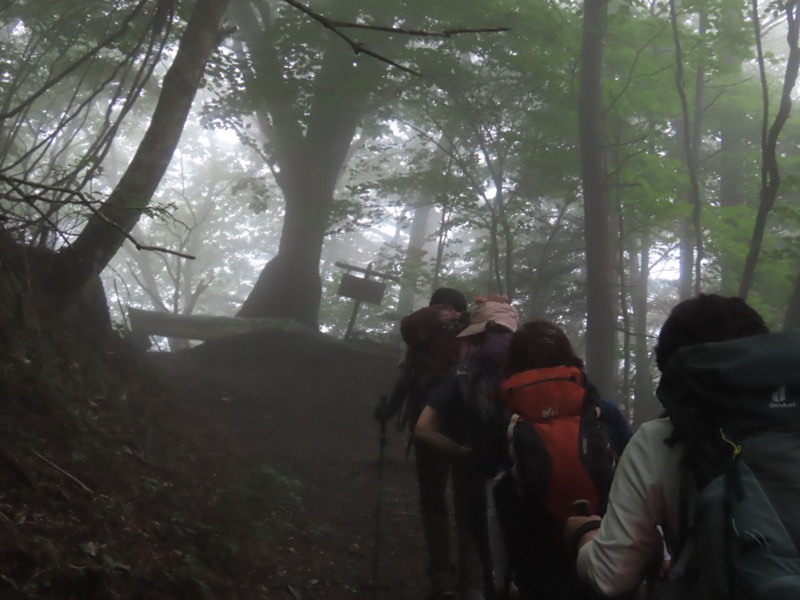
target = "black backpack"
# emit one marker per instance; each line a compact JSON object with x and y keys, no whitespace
{"x":433,"y":349}
{"x":735,"y":407}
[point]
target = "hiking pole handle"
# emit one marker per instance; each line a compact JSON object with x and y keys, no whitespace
{"x":580,"y":508}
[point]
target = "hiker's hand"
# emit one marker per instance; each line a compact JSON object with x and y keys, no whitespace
{"x":578,"y":531}
{"x":663,"y":572}
{"x":382,"y":410}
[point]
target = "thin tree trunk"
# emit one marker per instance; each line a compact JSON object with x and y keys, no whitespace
{"x":792,"y":319}
{"x":691,"y":234}
{"x":600,"y":339}
{"x":770,"y":174}
{"x":442,"y":236}
{"x":731,"y":178}
{"x":643,"y":398}
{"x":624,"y":305}
{"x":620,"y":265}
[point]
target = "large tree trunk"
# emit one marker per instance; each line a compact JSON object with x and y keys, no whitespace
{"x":309,"y":156}
{"x":600,"y":339}
{"x":107,"y":229}
{"x":290,"y":285}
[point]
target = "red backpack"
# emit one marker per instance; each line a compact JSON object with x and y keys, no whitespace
{"x":562,"y":457}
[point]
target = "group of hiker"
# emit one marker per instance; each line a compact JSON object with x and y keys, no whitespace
{"x":555,"y":498}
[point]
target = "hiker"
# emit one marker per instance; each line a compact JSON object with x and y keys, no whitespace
{"x":721,"y":461}
{"x":432,"y":350}
{"x":443,"y":427}
{"x":564,"y":442}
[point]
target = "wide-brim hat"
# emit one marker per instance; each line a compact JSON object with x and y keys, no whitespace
{"x":487,"y":312}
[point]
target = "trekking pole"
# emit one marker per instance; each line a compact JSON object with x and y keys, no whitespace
{"x":378,"y":508}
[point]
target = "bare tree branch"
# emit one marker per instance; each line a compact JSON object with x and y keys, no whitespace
{"x":83,"y":200}
{"x":57,"y":468}
{"x":88,"y":55}
{"x":359,"y":48}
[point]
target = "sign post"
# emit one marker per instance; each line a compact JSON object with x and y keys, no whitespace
{"x":361,"y":289}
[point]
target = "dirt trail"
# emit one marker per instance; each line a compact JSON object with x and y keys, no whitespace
{"x":304,"y":407}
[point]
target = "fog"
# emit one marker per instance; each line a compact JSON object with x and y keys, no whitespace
{"x":214,"y":215}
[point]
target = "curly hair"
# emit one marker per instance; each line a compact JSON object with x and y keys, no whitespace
{"x":704,"y":319}
{"x":538,"y":345}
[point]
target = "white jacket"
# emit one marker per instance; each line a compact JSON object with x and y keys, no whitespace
{"x":644,"y":497}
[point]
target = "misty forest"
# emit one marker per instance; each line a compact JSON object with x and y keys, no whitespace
{"x":189,"y":191}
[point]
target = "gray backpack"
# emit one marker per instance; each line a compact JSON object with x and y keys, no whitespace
{"x":735,"y":407}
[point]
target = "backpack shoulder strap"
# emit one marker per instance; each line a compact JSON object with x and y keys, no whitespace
{"x":464,"y":375}
{"x":678,"y":555}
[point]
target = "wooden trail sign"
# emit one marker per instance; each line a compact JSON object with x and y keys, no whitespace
{"x":361,"y":289}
